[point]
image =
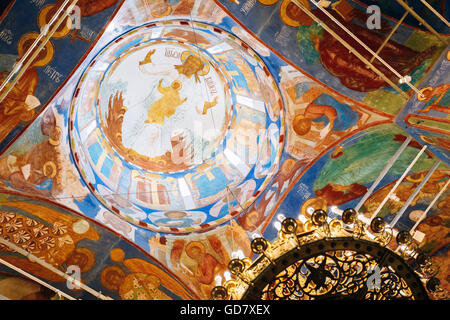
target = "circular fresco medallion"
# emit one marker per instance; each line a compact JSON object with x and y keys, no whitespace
{"x":175,"y":89}
{"x":172,"y":121}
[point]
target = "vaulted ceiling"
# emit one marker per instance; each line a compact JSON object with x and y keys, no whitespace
{"x":148,"y":141}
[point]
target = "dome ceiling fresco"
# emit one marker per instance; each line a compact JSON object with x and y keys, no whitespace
{"x":221,"y":139}
{"x":163,"y":136}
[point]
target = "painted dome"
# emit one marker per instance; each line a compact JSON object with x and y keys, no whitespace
{"x":176,"y":126}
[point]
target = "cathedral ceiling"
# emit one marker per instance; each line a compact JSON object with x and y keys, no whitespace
{"x":269,"y":115}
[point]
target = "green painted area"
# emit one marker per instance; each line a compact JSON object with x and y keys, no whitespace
{"x":420,"y":41}
{"x":305,"y":43}
{"x":386,"y":210}
{"x":386,"y":101}
{"x":429,"y":246}
{"x":363,"y":161}
{"x":430,"y":123}
{"x":3,"y":197}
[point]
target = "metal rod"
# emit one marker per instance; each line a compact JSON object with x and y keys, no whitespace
{"x":435,"y":12}
{"x":398,"y":182}
{"x":23,"y":68}
{"x":390,"y":35}
{"x":31,"y":48}
{"x":231,"y":220}
{"x":350,"y":48}
{"x":384,"y":172}
{"x":424,"y":215}
{"x":418,"y":17}
{"x":237,"y":200}
{"x":28,"y":275}
{"x":415,"y":193}
{"x":48,"y":266}
{"x":387,"y":65}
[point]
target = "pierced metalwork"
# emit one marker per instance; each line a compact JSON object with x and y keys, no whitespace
{"x":332,"y":259}
{"x":337,"y":269}
{"x":337,"y":275}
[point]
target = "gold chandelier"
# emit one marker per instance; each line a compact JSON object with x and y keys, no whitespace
{"x":325,"y":258}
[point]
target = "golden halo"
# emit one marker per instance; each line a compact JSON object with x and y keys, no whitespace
{"x":301,"y":125}
{"x":302,"y":17}
{"x":48,"y":49}
{"x":185,"y":54}
{"x":415,"y":177}
{"x":58,"y":34}
{"x":287,"y":166}
{"x":423,"y":91}
{"x":176,"y":85}
{"x":157,"y":10}
{"x":268,"y":2}
{"x":194,"y":244}
{"x":316,"y":203}
{"x":85,"y":259}
{"x":117,"y":255}
{"x":49,"y":165}
{"x":55,"y":138}
{"x":427,"y":139}
{"x":112,"y":277}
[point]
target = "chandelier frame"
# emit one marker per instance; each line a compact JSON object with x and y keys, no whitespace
{"x":383,"y":256}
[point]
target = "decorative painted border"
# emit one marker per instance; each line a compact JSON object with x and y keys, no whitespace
{"x":102,"y":226}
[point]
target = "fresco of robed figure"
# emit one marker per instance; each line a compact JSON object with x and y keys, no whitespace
{"x":318,"y":44}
